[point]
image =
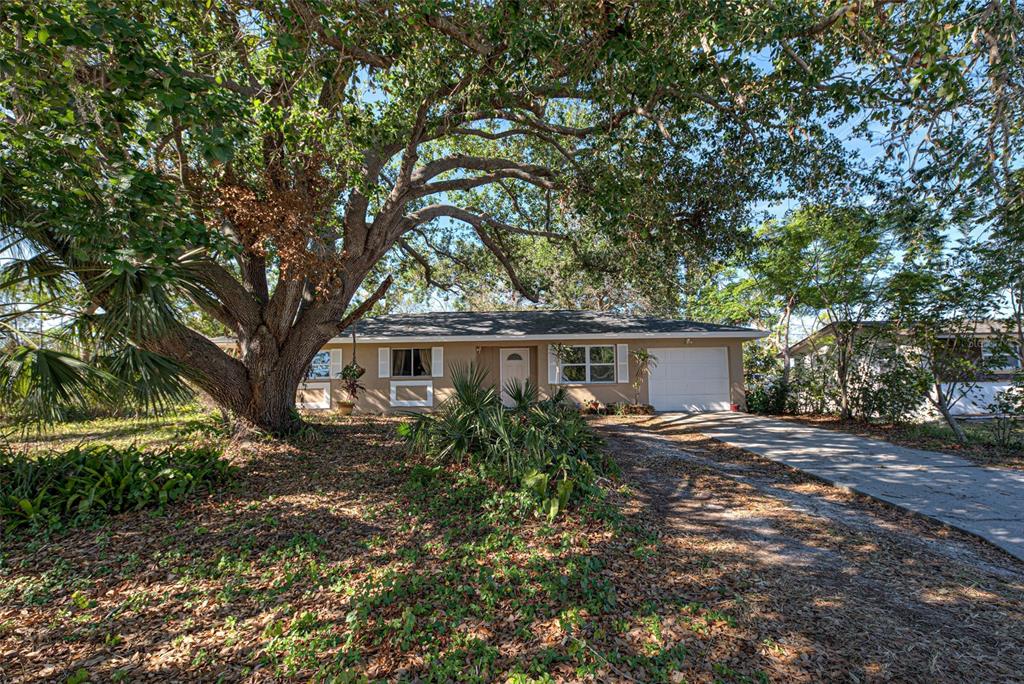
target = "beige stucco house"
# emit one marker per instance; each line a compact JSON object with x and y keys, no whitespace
{"x":409,"y":359}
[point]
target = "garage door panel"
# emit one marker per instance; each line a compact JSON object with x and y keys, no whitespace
{"x":690,"y":379}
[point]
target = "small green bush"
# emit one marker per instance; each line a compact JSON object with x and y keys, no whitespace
{"x":543,"y":447}
{"x":47,"y":489}
{"x":1007,"y":409}
{"x":769,"y":397}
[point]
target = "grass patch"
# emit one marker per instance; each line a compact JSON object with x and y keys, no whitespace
{"x":191,"y":423}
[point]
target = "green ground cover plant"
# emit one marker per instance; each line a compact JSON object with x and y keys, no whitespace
{"x":542,"y":446}
{"x":48,"y":489}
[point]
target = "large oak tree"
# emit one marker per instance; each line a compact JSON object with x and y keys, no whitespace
{"x":267,"y":159}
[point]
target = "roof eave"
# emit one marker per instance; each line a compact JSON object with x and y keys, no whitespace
{"x":410,"y":339}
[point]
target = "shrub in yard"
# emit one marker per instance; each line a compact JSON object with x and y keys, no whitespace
{"x":1007,"y":409}
{"x":770,"y":397}
{"x":62,"y":486}
{"x":543,"y":446}
{"x":888,"y":384}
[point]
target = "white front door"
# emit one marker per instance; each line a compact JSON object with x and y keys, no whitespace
{"x":515,"y":367}
{"x":690,"y":379}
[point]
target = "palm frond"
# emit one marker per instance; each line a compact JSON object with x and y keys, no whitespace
{"x":43,"y":385}
{"x":136,"y":302}
{"x":41,"y":270}
{"x":522,"y":394}
{"x":148,"y":382}
{"x":472,"y":390}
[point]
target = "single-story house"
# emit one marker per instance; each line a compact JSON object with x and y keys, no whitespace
{"x":988,"y":347}
{"x":409,"y":359}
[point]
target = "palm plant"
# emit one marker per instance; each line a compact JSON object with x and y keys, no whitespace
{"x":522,"y":394}
{"x":82,"y":354}
{"x":645,"y":363}
{"x":543,"y":446}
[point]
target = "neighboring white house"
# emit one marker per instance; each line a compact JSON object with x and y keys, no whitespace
{"x":987,"y":334}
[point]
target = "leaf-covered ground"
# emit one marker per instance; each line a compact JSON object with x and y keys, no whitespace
{"x":339,"y":558}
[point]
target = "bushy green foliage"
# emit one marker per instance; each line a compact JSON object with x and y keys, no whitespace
{"x":542,"y":446}
{"x":1007,"y":409}
{"x":811,"y":387}
{"x":767,"y":390}
{"x":886,"y":382}
{"x":769,"y":397}
{"x":889,"y":384}
{"x":46,"y":489}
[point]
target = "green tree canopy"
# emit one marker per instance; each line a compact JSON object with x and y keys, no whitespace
{"x":271,"y":160}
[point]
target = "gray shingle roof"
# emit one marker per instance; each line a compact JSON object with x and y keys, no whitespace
{"x":534,"y":323}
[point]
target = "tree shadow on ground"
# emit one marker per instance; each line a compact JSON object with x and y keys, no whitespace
{"x":344,"y":555}
{"x":855,"y":586}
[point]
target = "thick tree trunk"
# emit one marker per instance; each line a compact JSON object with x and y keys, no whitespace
{"x":272,"y":405}
{"x":264,"y":398}
{"x":258,"y":388}
{"x":273,"y":373}
{"x":277,"y":339}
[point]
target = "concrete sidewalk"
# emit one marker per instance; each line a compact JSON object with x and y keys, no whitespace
{"x":987,"y":502}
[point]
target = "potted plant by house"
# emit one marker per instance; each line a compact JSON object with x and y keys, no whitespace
{"x":350,"y":375}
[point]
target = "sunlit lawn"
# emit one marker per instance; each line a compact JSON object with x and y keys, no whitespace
{"x":145,"y":431}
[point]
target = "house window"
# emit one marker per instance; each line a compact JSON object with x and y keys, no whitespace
{"x":1003,"y":357}
{"x":320,"y":366}
{"x":587,"y":364}
{"x":410,"y":363}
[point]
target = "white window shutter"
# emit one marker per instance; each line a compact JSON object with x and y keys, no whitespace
{"x":622,"y":362}
{"x":552,"y":365}
{"x":336,"y":363}
{"x":437,"y":362}
{"x":384,"y":362}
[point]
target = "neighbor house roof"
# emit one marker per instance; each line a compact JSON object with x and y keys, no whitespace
{"x":980,"y":328}
{"x":533,"y":325}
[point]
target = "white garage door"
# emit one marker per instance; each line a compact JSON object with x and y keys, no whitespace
{"x":690,"y":379}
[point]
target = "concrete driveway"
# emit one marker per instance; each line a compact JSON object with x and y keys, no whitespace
{"x":982,"y":501}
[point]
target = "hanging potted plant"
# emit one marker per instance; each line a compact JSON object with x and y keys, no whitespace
{"x":350,"y":375}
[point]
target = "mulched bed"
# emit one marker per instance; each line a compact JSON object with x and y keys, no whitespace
{"x":907,"y":435}
{"x":338,"y":558}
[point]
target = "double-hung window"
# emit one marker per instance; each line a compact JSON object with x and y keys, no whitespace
{"x":587,"y":363}
{"x":1003,"y":357}
{"x":320,"y":366}
{"x":410,"y":363}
